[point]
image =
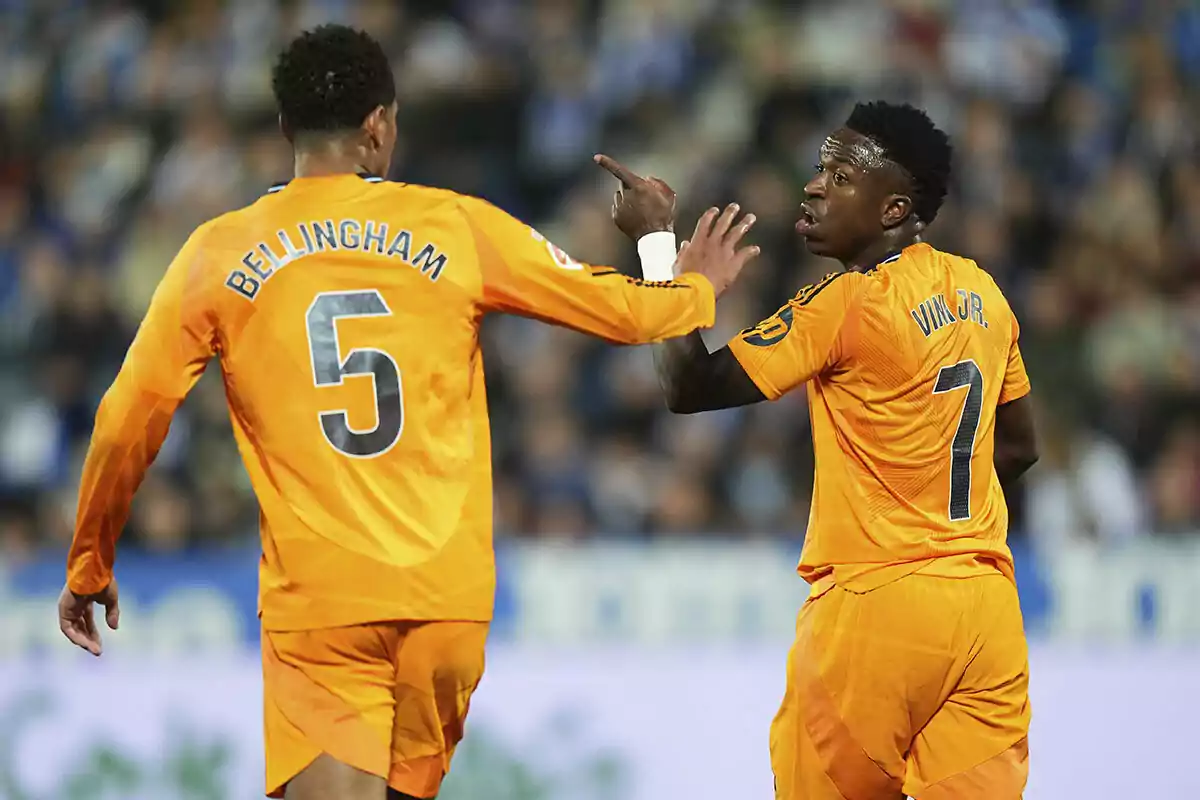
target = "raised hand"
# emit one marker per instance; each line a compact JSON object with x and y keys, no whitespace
{"x":640,"y":205}
{"x":713,"y":249}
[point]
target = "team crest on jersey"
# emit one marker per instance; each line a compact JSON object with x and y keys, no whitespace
{"x":561,"y":259}
{"x":770,"y":330}
{"x":776,"y":327}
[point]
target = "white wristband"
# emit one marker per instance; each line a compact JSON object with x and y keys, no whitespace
{"x":657,"y":252}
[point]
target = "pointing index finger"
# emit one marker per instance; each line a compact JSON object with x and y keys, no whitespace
{"x":626,"y":176}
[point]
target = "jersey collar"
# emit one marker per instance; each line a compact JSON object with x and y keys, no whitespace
{"x":894,"y":257}
{"x":366,"y":176}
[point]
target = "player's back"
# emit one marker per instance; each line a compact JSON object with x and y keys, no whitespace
{"x":345,"y":313}
{"x":348,"y":345}
{"x":903,"y":424}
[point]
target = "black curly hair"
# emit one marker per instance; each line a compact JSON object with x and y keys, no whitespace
{"x":329,"y":79}
{"x":911,"y":140}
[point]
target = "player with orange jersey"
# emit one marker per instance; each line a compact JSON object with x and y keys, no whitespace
{"x":345,"y":313}
{"x":909,"y":672}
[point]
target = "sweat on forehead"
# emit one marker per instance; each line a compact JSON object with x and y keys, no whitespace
{"x":856,"y":149}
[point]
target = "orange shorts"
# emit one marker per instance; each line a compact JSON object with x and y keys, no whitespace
{"x":389,"y":698}
{"x":917,"y":688}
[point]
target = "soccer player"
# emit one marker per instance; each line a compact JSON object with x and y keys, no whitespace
{"x":909,"y":672}
{"x":345,"y":312}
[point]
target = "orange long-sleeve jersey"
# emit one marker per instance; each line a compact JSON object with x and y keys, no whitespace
{"x":345,"y":313}
{"x":905,"y":366}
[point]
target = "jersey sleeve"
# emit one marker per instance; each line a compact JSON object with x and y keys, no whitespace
{"x":1016,"y":380}
{"x":802,"y":339}
{"x":173,"y":344}
{"x":525,"y":274}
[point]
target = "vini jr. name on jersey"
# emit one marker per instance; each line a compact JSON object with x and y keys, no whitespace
{"x":934,"y":313}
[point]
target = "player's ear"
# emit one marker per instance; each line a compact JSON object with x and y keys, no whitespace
{"x":378,"y":125}
{"x":284,"y":128}
{"x":896,"y":209}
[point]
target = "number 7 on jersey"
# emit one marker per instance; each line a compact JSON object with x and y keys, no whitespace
{"x":963,"y":375}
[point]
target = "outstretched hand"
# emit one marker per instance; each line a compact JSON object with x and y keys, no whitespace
{"x":640,"y":205}
{"x":713,"y":249}
{"x":76,"y":618}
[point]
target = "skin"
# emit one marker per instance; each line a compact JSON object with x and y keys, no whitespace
{"x":368,"y":148}
{"x":859,"y":204}
{"x":859,"y":211}
{"x":647,"y":205}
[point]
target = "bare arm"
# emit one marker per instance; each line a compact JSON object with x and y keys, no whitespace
{"x":695,"y":380}
{"x":692,"y":378}
{"x":1016,"y":442}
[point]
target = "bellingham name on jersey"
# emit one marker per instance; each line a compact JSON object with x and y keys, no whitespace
{"x":307,"y":238}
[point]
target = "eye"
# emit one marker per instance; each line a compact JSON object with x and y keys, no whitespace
{"x":818,"y":168}
{"x":840,"y":178}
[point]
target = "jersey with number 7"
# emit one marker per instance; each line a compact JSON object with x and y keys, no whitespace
{"x":906,"y":364}
{"x":345,"y":314}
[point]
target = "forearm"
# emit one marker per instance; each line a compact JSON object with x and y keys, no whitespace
{"x":695,"y":380}
{"x":105,"y":493}
{"x":1016,"y":442}
{"x":657,"y":311}
{"x":128,"y":432}
{"x":1010,"y":467}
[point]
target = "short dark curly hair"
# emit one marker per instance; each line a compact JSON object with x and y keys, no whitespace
{"x":329,"y":79}
{"x":911,"y":140}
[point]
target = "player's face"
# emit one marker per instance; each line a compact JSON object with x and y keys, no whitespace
{"x":842,"y":215}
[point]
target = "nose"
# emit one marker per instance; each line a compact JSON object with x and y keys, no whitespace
{"x":816,"y":186}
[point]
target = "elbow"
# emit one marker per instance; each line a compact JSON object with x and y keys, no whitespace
{"x":679,"y":401}
{"x":1015,"y":464}
{"x":674,"y":399}
{"x":677,"y":405}
{"x":1026,"y":457}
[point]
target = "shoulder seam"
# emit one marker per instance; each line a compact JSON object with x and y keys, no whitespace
{"x":806,"y":295}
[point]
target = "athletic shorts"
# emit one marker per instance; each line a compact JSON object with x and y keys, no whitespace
{"x":917,"y":688}
{"x":389,"y":698}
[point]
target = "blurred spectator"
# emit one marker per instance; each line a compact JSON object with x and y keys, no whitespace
{"x":124,"y":124}
{"x":1175,"y":483}
{"x":1084,"y":489}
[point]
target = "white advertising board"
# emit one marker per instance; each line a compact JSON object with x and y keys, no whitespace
{"x":597,"y":723}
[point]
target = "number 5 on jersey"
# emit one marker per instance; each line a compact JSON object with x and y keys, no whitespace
{"x":329,"y":369}
{"x":963,"y":375}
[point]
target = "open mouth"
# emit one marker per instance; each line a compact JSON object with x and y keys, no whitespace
{"x":807,"y":221}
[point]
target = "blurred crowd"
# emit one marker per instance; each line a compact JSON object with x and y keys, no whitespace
{"x":125,"y":124}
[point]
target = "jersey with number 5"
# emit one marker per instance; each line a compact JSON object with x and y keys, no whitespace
{"x":906,"y":364}
{"x":345,"y":314}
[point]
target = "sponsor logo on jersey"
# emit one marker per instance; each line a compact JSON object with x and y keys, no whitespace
{"x":560,"y":257}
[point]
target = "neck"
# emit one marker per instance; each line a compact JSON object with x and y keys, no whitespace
{"x":333,"y":156}
{"x":878,"y":251}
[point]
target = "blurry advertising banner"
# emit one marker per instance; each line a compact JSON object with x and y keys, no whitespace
{"x":578,"y":723}
{"x":622,"y":671}
{"x":662,"y":593}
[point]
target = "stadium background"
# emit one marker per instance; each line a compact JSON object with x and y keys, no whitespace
{"x":646,"y":596}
